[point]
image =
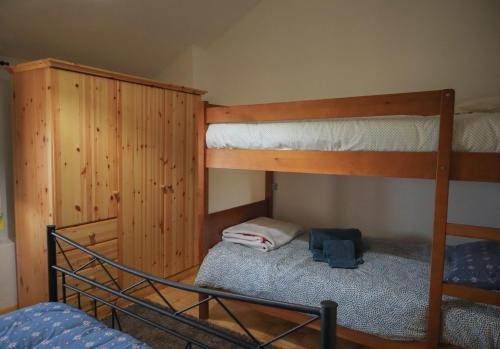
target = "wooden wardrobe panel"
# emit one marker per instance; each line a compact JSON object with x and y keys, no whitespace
{"x":142,"y":171}
{"x":182,"y":250}
{"x":32,"y":160}
{"x":85,"y":115}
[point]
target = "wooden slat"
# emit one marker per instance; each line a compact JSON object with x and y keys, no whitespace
{"x":415,"y":103}
{"x":218,"y":221}
{"x":142,"y":178}
{"x":374,"y":341}
{"x":484,"y":167}
{"x":90,"y":234}
{"x":395,"y":164}
{"x":32,"y":139}
{"x":168,"y":139}
{"x":472,"y":231}
{"x":85,"y":119}
{"x":472,"y":294}
{"x":63,"y":65}
{"x":178,"y":197}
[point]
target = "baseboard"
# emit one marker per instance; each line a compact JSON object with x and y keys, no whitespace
{"x":8,"y":309}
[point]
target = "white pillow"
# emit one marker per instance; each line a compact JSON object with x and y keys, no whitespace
{"x":489,"y":104}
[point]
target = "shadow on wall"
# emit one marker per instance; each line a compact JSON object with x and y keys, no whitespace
{"x":381,"y":207}
{"x":8,"y":291}
{"x":6,"y":176}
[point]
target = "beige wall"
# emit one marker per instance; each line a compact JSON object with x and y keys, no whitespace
{"x":297,"y":49}
{"x":180,"y":71}
{"x":8,"y":291}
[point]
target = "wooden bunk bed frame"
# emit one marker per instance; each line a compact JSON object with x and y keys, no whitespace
{"x":442,"y":165}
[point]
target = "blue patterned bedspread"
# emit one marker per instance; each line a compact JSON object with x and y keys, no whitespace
{"x":58,"y":326}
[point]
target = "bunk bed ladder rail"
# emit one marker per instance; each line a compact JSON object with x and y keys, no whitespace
{"x":442,"y":228}
{"x":326,"y":314}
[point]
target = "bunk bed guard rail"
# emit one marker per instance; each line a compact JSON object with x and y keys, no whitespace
{"x":326,"y":314}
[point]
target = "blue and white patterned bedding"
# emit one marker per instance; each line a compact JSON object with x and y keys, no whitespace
{"x":386,"y":296}
{"x":58,"y":326}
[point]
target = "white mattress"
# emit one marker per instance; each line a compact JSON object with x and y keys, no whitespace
{"x":474,"y":132}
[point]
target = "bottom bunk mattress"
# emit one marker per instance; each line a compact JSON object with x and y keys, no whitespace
{"x":386,"y":296}
{"x":57,"y":325}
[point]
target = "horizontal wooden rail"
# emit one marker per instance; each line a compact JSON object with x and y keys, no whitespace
{"x":359,"y":337}
{"x":388,"y":164}
{"x":482,"y":167}
{"x":472,"y":231}
{"x":416,"y":103}
{"x":472,"y":294}
{"x":465,"y":166}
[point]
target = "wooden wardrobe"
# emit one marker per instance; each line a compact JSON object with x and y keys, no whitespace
{"x":110,"y":159}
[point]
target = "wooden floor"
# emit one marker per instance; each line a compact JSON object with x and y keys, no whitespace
{"x":262,"y":326}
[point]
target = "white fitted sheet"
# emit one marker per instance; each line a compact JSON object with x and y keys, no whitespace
{"x":474,"y":132}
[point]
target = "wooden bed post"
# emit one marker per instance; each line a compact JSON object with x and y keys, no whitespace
{"x":440,"y":218}
{"x":202,"y":196}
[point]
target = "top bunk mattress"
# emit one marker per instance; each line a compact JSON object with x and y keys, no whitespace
{"x":473,"y":132}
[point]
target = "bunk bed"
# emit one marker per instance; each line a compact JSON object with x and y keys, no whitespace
{"x":59,"y":324}
{"x":443,"y":161}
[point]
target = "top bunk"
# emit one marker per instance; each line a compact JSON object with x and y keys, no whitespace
{"x":394,"y":135}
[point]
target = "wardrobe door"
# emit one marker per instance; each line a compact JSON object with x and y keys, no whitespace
{"x":85,"y":116}
{"x":143,"y":162}
{"x":181,"y":240}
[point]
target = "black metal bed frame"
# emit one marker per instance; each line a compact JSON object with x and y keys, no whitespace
{"x":326,"y":314}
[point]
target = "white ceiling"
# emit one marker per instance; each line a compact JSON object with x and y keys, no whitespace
{"x":133,"y":36}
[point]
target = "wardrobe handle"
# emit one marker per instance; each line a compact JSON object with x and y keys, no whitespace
{"x":92,"y":238}
{"x":116,"y":195}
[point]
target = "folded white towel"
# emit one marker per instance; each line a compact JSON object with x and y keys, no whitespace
{"x":263,"y":233}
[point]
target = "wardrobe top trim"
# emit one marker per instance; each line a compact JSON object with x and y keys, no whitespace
{"x":59,"y":64}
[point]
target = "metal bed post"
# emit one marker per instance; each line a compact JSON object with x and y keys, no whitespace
{"x":51,"y":261}
{"x":328,"y":324}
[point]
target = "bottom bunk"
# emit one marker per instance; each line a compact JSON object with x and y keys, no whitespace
{"x":387,"y":296}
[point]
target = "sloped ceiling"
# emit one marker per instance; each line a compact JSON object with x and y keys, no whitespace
{"x":132,"y":36}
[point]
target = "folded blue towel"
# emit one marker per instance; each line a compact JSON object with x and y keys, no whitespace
{"x":318,"y":235}
{"x":340,"y":254}
{"x":318,"y":255}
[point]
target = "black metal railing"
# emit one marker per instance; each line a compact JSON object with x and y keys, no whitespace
{"x":326,"y":314}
